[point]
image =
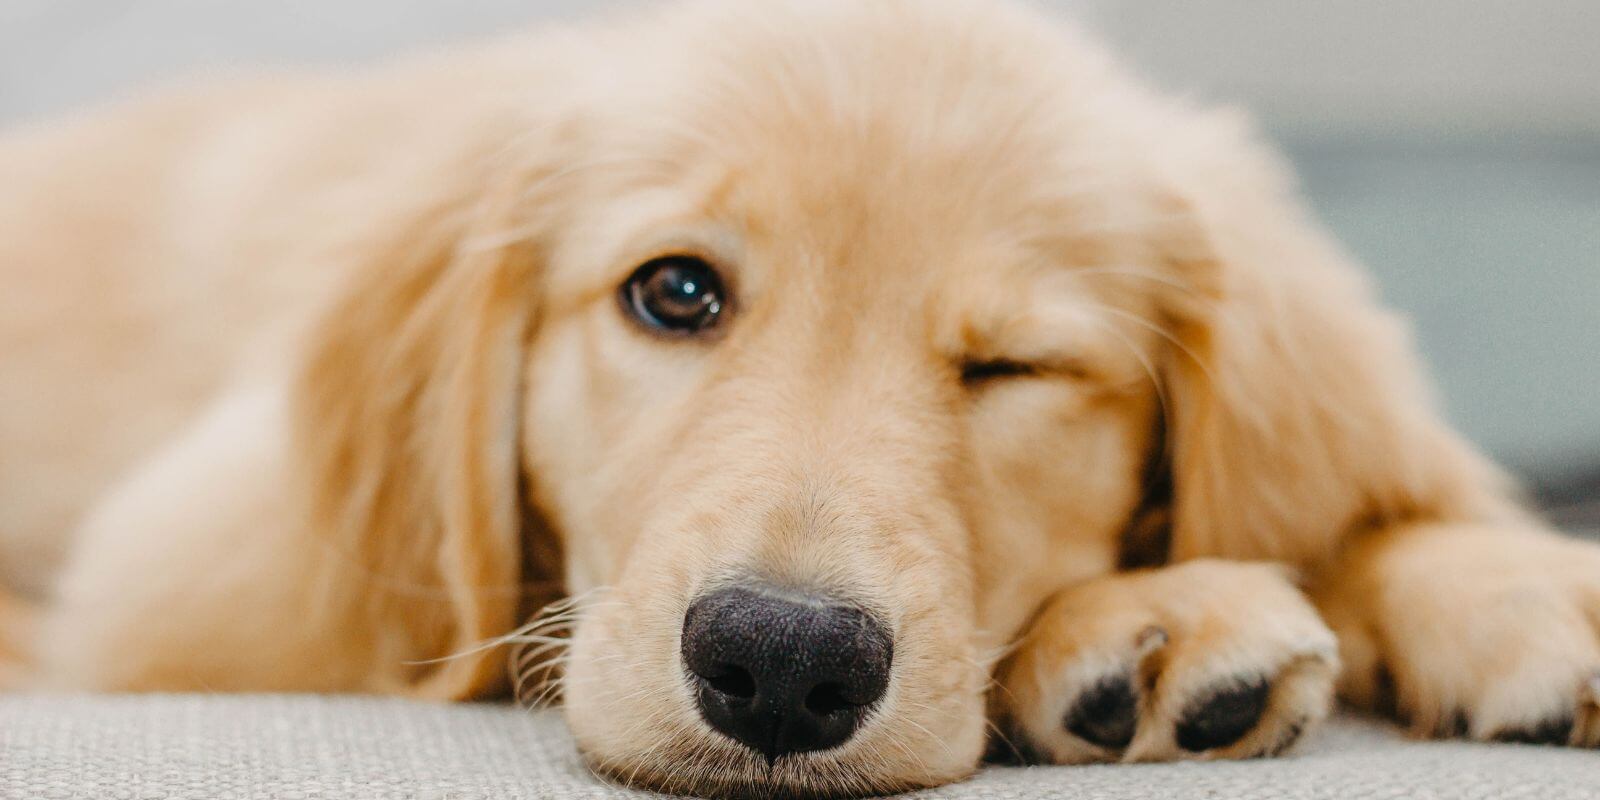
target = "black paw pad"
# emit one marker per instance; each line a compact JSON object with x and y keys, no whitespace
{"x":1551,"y":731}
{"x":1385,"y":695}
{"x":1011,"y":748}
{"x":1106,"y":714}
{"x":1223,"y":717}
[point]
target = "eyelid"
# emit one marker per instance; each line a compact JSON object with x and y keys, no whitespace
{"x":982,"y":370}
{"x":708,"y":243}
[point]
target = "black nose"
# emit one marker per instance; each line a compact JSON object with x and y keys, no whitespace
{"x":784,"y":673}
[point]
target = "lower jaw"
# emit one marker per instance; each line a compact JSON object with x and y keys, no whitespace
{"x":777,"y":782}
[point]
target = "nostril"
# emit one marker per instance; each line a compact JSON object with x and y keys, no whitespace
{"x":827,"y":698}
{"x":732,"y":680}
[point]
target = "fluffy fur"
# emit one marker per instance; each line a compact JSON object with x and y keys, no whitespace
{"x":320,"y":383}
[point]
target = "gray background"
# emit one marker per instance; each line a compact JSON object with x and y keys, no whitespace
{"x":1454,"y":145}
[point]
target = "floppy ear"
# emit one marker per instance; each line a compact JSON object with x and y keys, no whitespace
{"x":1298,"y":411}
{"x":406,"y":420}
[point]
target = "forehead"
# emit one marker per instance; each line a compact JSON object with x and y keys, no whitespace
{"x":887,"y":158}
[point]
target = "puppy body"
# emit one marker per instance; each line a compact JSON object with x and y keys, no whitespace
{"x":159,"y":252}
{"x":320,"y":383}
{"x":167,"y":259}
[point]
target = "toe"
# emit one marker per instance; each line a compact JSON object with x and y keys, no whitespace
{"x":1288,"y":737}
{"x":1223,"y":716}
{"x":1586,"y":728}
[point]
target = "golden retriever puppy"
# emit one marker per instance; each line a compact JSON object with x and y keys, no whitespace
{"x":836,"y":360}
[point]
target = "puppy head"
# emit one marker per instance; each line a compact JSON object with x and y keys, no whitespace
{"x":824,"y":341}
{"x":917,"y":377}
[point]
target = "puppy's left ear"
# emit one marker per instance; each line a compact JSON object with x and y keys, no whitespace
{"x":407,"y":426}
{"x":1298,"y":411}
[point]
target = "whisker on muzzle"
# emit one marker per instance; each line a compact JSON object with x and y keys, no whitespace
{"x":540,"y":649}
{"x":559,"y":616}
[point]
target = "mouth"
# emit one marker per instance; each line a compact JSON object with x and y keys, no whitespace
{"x":713,"y":772}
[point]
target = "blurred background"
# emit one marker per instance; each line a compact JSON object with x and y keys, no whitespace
{"x":1453,"y":146}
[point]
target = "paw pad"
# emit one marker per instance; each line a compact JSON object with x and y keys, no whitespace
{"x":1106,"y":714}
{"x":1224,"y":716}
{"x":1551,"y":731}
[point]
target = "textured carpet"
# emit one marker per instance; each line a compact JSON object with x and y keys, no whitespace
{"x":204,"y":747}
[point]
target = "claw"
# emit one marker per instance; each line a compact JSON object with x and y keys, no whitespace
{"x":1153,"y":638}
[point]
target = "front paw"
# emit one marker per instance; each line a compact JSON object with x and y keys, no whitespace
{"x":1472,"y":631}
{"x":1207,"y":659}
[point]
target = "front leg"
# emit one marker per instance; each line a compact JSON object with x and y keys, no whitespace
{"x":1471,"y":630}
{"x":1205,"y":659}
{"x":17,"y":623}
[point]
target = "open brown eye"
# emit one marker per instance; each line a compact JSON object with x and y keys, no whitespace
{"x":973,"y":372}
{"x":675,"y":294}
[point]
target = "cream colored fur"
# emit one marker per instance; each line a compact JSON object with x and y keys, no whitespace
{"x":320,"y":383}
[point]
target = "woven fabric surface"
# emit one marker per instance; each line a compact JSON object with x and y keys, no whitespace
{"x":218,"y":747}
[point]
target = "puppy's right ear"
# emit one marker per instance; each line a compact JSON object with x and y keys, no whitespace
{"x":406,"y":419}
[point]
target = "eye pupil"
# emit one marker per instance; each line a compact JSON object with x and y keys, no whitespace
{"x":675,"y":294}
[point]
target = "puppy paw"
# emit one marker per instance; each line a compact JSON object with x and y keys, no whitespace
{"x":1206,"y":659}
{"x":1484,"y":633}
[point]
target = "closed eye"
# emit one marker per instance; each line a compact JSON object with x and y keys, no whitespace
{"x":976,"y":372}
